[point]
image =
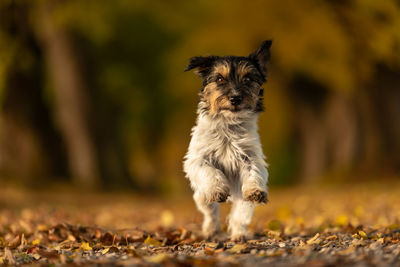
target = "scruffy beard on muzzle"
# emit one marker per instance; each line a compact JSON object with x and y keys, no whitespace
{"x":240,"y":114}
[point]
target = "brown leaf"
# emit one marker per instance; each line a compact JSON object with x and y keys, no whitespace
{"x":185,"y":234}
{"x":32,"y":250}
{"x":23,"y":242}
{"x":97,"y":234}
{"x":13,"y":244}
{"x":107,"y":239}
{"x":209,"y":250}
{"x":51,"y":255}
{"x":331,"y":237}
{"x":113,"y":249}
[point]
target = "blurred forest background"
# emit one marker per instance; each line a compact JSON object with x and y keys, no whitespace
{"x":93,"y":92}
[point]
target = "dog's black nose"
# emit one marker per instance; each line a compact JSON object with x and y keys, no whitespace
{"x":236,"y":100}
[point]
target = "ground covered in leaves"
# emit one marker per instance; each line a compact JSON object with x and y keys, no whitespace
{"x":348,"y":225}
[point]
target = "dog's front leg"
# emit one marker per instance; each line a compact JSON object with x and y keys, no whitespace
{"x":210,"y":187}
{"x":207,"y":181}
{"x":254,"y":180}
{"x":239,"y":217}
{"x":210,"y":212}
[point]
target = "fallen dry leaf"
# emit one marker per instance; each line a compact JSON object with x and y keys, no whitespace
{"x":85,"y":246}
{"x":237,"y":248}
{"x":9,"y":256}
{"x":314,"y":240}
{"x":337,"y":230}
{"x":152,"y":242}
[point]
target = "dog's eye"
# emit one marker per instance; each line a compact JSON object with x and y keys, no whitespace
{"x":246,"y":80}
{"x":220,"y":80}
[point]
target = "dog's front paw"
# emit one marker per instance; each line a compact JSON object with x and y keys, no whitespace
{"x":220,"y":197}
{"x":256,"y":196}
{"x":239,"y":238}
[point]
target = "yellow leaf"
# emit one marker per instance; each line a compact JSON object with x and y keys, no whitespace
{"x":36,"y":242}
{"x":167,"y":218}
{"x":342,"y":220}
{"x":237,"y":248}
{"x":362,"y":234}
{"x":104,"y":251}
{"x":85,"y":246}
{"x":212,"y":244}
{"x":152,"y":242}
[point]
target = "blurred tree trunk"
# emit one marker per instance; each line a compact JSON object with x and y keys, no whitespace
{"x":342,"y":131}
{"x":327,"y":129}
{"x":30,"y":149}
{"x":71,"y":99}
{"x":384,"y":95}
{"x":311,"y":145}
{"x":342,"y":134}
{"x":21,"y":152}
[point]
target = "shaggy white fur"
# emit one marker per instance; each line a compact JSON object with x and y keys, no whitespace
{"x":225,"y":161}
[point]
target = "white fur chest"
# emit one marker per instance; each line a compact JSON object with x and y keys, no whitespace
{"x":226,"y":143}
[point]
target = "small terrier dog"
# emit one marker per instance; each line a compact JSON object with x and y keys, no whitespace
{"x":225,"y":160}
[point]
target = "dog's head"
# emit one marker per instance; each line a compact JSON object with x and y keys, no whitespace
{"x":233,"y":83}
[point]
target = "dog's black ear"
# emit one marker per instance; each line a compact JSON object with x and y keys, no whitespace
{"x":262,"y":56}
{"x":201,"y":64}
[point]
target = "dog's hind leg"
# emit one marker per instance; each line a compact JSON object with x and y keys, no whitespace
{"x":210,"y":211}
{"x":239,"y":217}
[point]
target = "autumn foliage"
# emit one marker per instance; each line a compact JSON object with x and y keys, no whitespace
{"x":301,"y":226}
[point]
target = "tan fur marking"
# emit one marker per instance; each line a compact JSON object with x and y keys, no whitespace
{"x":223,"y":69}
{"x":243,"y":69}
{"x":215,"y":99}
